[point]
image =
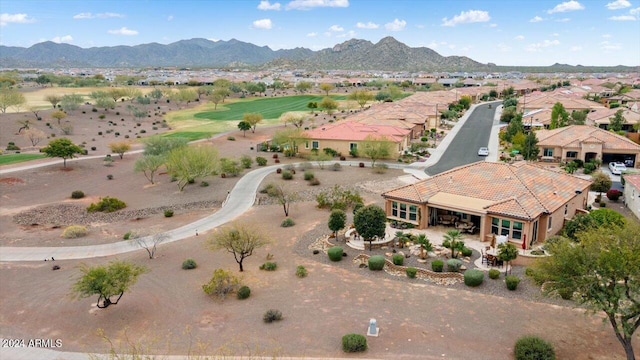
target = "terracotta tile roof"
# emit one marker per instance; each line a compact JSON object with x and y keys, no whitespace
{"x":521,"y":190}
{"x":357,"y":131}
{"x":546,"y":100}
{"x":572,"y":136}
{"x":633,"y":179}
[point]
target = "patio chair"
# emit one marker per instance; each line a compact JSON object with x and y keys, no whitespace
{"x":485,"y":258}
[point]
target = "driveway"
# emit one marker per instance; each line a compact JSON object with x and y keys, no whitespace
{"x":472,"y":135}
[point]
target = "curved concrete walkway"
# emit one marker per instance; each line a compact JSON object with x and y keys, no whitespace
{"x":240,"y":199}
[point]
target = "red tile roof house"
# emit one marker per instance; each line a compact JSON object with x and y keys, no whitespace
{"x":586,"y":143}
{"x":526,"y":202}
{"x":632,"y":193}
{"x":346,"y":135}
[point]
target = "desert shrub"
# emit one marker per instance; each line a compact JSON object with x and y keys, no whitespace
{"x":437,"y":265}
{"x":301,"y":271}
{"x":614,"y":194}
{"x":168,"y":213}
{"x":243,"y":293}
{"x":335,"y":253}
{"x":376,"y":262}
{"x":533,"y":348}
{"x":229,"y":167}
{"x":204,"y":184}
{"x":308,"y":175}
{"x":77,"y":194}
{"x":603,"y":204}
{"x":269,"y":266}
{"x":494,"y":274}
{"x":74,"y":232}
{"x":287,"y":175}
{"x":473,"y":277}
{"x":314,"y":182}
{"x":231,"y":138}
{"x":466,"y":251}
{"x":127,"y":235}
{"x":267,"y":189}
{"x":222,"y":283}
{"x":272,"y":315}
{"x":261,"y":161}
{"x":354,"y":343}
{"x":338,"y":198}
{"x":107,"y":204}
{"x":109,"y":177}
{"x":288,"y":222}
{"x":397,"y":259}
{"x":453,"y":265}
{"x":512,"y":282}
{"x":304,"y":166}
{"x":411,"y":272}
{"x":336,"y":167}
{"x":246,"y":161}
{"x":189,"y":264}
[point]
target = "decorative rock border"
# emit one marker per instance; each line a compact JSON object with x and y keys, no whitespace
{"x":441,"y":278}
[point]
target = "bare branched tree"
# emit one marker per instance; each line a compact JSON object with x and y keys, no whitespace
{"x":150,"y":244}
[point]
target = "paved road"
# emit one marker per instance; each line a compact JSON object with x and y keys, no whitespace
{"x":473,"y":134}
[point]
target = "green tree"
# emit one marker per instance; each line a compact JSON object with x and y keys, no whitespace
{"x":244,"y":126}
{"x":382,"y":96}
{"x":160,"y":145}
{"x":530,"y":148}
{"x":361,"y":97}
{"x":283,"y":197}
{"x":149,"y":165}
{"x":329,"y":105}
{"x":120,"y":147}
{"x":10,"y":97}
{"x":294,"y":118}
{"x":455,"y":240}
{"x":252,"y":118}
{"x":515,"y":126}
{"x":62,"y":148}
{"x":508,"y":114}
{"x":559,"y":116}
{"x":602,"y":273}
{"x":326,"y":87}
{"x":105,"y":102}
{"x":600,"y":182}
{"x":337,"y":221}
{"x":303,"y":86}
{"x":616,"y":122}
{"x":116,"y":93}
{"x":289,"y":138}
{"x":58,"y":115}
{"x":70,"y":102}
{"x":312,"y":105}
{"x":53,"y":100}
{"x":239,"y":239}
{"x":107,"y":281}
{"x":578,"y":117}
{"x":156,"y":94}
{"x":370,"y":222}
{"x":376,"y":148}
{"x":188,"y":163}
{"x":507,"y":252}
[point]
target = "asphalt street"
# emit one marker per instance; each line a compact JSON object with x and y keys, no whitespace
{"x":463,"y":148}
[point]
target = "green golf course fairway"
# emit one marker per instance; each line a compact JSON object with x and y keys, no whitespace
{"x":16,"y":158}
{"x":270,"y":108}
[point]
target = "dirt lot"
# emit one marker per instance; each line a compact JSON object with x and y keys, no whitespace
{"x":167,"y":311}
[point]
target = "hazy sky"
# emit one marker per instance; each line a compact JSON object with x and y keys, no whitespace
{"x":505,"y":32}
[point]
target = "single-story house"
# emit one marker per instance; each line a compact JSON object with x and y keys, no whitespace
{"x":586,"y":143}
{"x":632,"y":193}
{"x":346,"y":135}
{"x":602,"y":118}
{"x":546,"y":100}
{"x":523,"y":201}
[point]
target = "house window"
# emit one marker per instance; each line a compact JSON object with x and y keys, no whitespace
{"x":394,"y":208}
{"x":315,"y":145}
{"x":495,"y":226}
{"x":413,"y":213}
{"x":572,"y":154}
{"x":566,"y":209}
{"x":403,"y":211}
{"x":547,"y":152}
{"x":516,"y":233}
{"x":550,"y":223}
{"x":353,"y":146}
{"x":306,"y":144}
{"x":505,"y":227}
{"x":512,"y":229}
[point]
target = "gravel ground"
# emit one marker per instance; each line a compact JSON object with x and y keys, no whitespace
{"x":527,"y":289}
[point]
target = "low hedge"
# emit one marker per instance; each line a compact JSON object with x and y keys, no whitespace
{"x":512,"y":282}
{"x":376,"y":262}
{"x":473,"y":277}
{"x":189,"y":264}
{"x":453,"y":265}
{"x":411,"y":272}
{"x":494,"y":274}
{"x":243,"y":293}
{"x":437,"y":265}
{"x":397,"y":259}
{"x":335,"y":253}
{"x":354,"y":343}
{"x":533,"y":348}
{"x":466,"y":251}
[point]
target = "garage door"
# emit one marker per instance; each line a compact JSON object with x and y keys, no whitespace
{"x":628,"y":159}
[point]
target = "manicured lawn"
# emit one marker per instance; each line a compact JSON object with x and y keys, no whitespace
{"x":270,"y":108}
{"x":191,"y":135}
{"x":16,"y":158}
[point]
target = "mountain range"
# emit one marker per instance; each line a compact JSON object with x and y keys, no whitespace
{"x":388,"y":54}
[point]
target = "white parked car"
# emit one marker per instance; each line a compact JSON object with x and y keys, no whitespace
{"x":617,"y":168}
{"x":483,"y":151}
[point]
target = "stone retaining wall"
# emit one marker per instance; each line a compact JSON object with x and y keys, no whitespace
{"x":422,"y":273}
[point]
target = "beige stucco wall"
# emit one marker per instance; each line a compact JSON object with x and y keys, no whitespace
{"x":343,"y":146}
{"x":632,"y":198}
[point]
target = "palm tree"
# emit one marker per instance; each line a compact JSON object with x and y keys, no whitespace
{"x":402,"y":238}
{"x":454,"y":237}
{"x":425,"y":245}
